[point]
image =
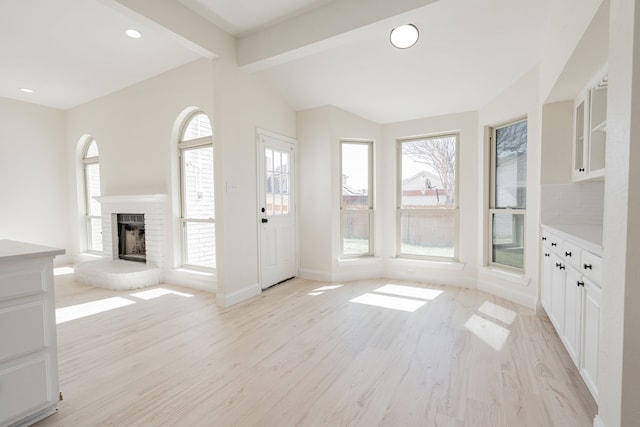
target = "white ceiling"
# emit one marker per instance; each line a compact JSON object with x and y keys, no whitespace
{"x":239,"y":17}
{"x":72,"y":51}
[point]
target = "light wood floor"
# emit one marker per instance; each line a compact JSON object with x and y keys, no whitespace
{"x":288,"y":358}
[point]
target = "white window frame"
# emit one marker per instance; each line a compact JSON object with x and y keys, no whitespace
{"x":86,"y":162}
{"x":370,"y":210}
{"x":427,"y":211}
{"x":203,"y":142}
{"x":492,"y":202}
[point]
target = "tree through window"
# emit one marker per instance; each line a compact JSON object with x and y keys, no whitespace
{"x":427,"y":197}
{"x":508,"y":194}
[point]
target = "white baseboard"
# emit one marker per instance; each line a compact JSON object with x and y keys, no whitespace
{"x":191,"y":279}
{"x":321,"y":276}
{"x":63,"y":260}
{"x":224,"y":299}
{"x":597,"y":422}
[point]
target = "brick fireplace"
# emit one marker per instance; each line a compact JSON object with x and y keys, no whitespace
{"x":142,"y":221}
{"x":153,"y":208}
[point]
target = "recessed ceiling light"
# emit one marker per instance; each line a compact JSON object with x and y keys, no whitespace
{"x":26,"y":90}
{"x":134,"y":34}
{"x":404,"y":36}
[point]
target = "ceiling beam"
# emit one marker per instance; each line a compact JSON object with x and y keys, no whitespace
{"x":192,"y":30}
{"x":315,"y":30}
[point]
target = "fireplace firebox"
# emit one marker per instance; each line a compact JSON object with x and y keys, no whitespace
{"x":131,"y":239}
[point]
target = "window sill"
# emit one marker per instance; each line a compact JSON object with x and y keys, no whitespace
{"x":511,"y":276}
{"x":430,"y":263}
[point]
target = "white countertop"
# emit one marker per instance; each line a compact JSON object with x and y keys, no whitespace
{"x":11,"y":249}
{"x":589,"y":236}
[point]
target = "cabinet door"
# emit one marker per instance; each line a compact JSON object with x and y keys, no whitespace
{"x":580,"y":140}
{"x":545,"y":279}
{"x":557,"y":294}
{"x":591,"y":336}
{"x":573,"y":313}
{"x":598,"y":130}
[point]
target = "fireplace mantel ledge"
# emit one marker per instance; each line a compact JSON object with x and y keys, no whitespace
{"x":145,"y":198}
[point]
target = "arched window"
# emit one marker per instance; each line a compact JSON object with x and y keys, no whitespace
{"x":91,"y":166}
{"x":197,"y":198}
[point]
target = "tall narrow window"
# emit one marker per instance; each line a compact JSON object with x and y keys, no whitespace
{"x":508,"y":194}
{"x":91,"y":166}
{"x":196,"y":176}
{"x":357,"y":197}
{"x":427,"y":207}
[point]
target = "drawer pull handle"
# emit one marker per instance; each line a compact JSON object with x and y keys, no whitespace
{"x":580,"y":283}
{"x":587,"y":267}
{"x":547,"y":255}
{"x":567,"y":254}
{"x":562,"y":267}
{"x":554,"y":244}
{"x":544,"y":238}
{"x":557,"y":264}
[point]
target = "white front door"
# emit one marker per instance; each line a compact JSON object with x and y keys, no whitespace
{"x":276,"y":205}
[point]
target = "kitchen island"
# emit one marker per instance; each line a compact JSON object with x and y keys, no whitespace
{"x":29,"y":388}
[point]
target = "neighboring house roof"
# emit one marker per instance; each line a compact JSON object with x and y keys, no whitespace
{"x":346,"y":190}
{"x":419,"y":181}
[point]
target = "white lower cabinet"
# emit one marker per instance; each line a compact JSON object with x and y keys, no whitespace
{"x":570,"y":294}
{"x":557,"y":294}
{"x":592,"y":296}
{"x":545,"y":278}
{"x":28,"y":349}
{"x":573,"y":314}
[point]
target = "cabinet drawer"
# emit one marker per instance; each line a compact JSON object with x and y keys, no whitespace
{"x":571,"y":254}
{"x":591,"y":266}
{"x":21,"y":279}
{"x":22,"y":330}
{"x":553,"y":242}
{"x":24,"y":389}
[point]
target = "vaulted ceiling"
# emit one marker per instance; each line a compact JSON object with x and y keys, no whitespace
{"x":315,"y":52}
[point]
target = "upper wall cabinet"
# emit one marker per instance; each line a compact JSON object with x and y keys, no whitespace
{"x":590,"y":132}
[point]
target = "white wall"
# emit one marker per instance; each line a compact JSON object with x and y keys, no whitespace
{"x":320,"y":131}
{"x":519,"y":100}
{"x":136,"y":130}
{"x":568,"y":22}
{"x":33,"y":175}
{"x":242,"y":104}
{"x":315,"y":193}
{"x":557,"y":137}
{"x":619,"y":370}
{"x":133,"y":128}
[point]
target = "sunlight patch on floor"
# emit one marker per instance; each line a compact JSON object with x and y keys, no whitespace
{"x":158,"y":292}
{"x":78,"y":311}
{"x":398,"y":297}
{"x":63,"y":271}
{"x":409,"y":291}
{"x":497,"y":312}
{"x":386,"y":301}
{"x":492,"y":334}
{"x":321,"y":290}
